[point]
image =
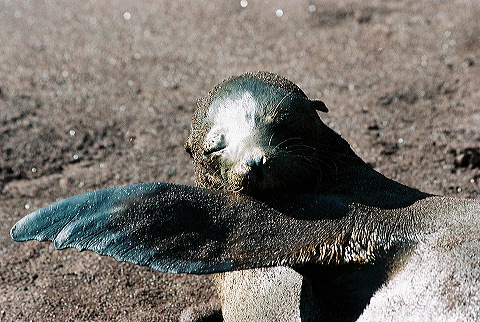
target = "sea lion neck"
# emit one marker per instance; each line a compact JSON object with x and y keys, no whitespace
{"x":356,"y":180}
{"x":363,"y":185}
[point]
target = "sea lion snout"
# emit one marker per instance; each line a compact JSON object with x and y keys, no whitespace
{"x":256,"y":163}
{"x":251,"y":171}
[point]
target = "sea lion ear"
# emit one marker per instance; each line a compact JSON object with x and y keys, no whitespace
{"x":319,"y":105}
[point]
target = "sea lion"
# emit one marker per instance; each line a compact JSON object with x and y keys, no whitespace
{"x":259,"y":134}
{"x":327,"y":237}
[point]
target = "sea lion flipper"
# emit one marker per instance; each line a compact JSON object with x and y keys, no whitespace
{"x":155,"y":224}
{"x":169,"y":227}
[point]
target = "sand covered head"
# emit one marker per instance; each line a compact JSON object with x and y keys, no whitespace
{"x":259,"y":132}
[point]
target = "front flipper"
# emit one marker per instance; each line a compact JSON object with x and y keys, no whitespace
{"x":170,"y":228}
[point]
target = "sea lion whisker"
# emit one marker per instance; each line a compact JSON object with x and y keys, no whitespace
{"x":270,"y":140}
{"x":286,"y":141}
{"x":276,"y":108}
{"x":342,"y":158}
{"x":330,"y":164}
{"x":302,"y":148}
{"x":326,"y":161}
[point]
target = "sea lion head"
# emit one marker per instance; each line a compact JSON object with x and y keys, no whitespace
{"x":257,"y":132}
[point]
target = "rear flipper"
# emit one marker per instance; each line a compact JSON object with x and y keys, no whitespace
{"x":168,"y":227}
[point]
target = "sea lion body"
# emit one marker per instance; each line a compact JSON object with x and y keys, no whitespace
{"x":439,"y":280}
{"x":258,"y":134}
{"x":434,"y":278}
{"x":247,"y":137}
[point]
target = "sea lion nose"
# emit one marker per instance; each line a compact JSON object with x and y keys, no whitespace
{"x":256,"y":163}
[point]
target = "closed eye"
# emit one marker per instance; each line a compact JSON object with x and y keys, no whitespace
{"x":210,"y":150}
{"x":215,"y":146}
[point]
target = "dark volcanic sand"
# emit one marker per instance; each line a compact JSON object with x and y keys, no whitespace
{"x":100,"y":93}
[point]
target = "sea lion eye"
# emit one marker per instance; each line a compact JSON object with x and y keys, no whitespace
{"x":209,"y":151}
{"x":216,"y":144}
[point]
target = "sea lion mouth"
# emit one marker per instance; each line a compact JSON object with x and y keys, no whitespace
{"x":253,"y":180}
{"x":272,"y":169}
{"x":256,"y":167}
{"x":251,"y":175}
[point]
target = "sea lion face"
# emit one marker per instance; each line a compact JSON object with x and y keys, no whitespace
{"x":250,"y":136}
